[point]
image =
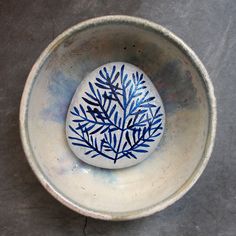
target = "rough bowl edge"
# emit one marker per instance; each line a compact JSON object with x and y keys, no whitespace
{"x":212,"y":118}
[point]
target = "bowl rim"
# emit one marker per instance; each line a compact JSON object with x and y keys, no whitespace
{"x":148,"y":25}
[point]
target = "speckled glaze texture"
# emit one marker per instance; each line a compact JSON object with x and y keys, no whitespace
{"x":187,"y":96}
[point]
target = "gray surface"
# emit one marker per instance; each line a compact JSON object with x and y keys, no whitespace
{"x":26,"y":28}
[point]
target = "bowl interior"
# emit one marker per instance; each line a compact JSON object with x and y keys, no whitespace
{"x":117,"y":193}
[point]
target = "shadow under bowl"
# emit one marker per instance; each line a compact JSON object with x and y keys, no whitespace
{"x":188,"y":99}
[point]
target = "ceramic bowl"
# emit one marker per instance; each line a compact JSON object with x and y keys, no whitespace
{"x":188,"y":99}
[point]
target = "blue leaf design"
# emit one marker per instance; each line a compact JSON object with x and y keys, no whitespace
{"x":90,"y":102}
{"x":121,"y":111}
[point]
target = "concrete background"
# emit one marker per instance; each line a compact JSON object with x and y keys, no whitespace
{"x":26,"y":28}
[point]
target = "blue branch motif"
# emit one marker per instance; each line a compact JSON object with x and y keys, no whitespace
{"x":121,"y":111}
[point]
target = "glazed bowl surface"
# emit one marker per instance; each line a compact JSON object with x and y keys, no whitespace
{"x":187,"y":95}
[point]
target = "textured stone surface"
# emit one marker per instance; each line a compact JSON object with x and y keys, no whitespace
{"x":26,"y":28}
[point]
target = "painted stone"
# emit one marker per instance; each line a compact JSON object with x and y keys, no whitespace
{"x":116,"y":118}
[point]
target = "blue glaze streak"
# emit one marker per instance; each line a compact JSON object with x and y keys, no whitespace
{"x":106,"y":175}
{"x":77,"y":166}
{"x":61,"y":89}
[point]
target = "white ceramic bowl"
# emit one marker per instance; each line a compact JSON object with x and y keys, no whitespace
{"x":188,"y":99}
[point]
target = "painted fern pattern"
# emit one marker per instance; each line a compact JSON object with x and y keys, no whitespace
{"x":118,"y":118}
